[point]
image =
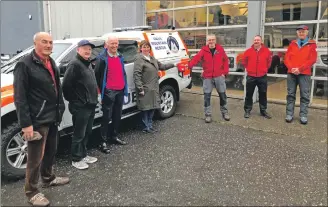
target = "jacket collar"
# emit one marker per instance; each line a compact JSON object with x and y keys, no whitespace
{"x":262,"y":46}
{"x":84,"y":61}
{"x":207,"y":48}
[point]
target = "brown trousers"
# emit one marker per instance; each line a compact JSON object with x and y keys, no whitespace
{"x":40,"y":159}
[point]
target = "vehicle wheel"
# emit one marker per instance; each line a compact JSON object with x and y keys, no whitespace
{"x":13,"y":152}
{"x":168,"y":102}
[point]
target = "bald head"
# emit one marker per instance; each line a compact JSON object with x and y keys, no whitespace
{"x":112,"y":44}
{"x":43,"y":44}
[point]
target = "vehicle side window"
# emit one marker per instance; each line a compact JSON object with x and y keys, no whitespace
{"x":129,"y":52}
{"x":96,"y":51}
{"x":69,"y":56}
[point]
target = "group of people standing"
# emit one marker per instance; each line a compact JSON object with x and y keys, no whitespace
{"x":38,"y":95}
{"x":37,"y":81}
{"x":301,"y":55}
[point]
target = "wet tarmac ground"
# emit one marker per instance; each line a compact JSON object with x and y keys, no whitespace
{"x":188,"y":163}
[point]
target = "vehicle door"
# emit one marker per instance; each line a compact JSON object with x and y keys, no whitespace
{"x":129,"y":50}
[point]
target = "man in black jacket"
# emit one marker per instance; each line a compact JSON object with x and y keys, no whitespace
{"x":39,"y":106}
{"x":80,"y":89}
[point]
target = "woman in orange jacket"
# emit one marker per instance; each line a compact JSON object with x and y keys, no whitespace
{"x":300,"y":57}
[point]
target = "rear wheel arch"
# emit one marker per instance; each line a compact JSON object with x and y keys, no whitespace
{"x":171,"y":82}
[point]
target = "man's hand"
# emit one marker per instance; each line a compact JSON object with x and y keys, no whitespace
{"x":142,"y":93}
{"x":296,"y":71}
{"x":28,"y":133}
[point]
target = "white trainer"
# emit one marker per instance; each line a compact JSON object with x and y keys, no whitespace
{"x":89,"y":159}
{"x":81,"y":165}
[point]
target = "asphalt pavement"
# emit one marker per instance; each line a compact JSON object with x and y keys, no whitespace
{"x":241,"y":162}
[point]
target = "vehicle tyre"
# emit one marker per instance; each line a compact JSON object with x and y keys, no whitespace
{"x":13,"y":152}
{"x":168,"y":102}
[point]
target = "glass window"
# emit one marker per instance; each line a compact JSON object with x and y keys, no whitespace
{"x":218,"y":1}
{"x":190,"y":18}
{"x":58,"y":49}
{"x":280,"y":36}
{"x":234,"y":37}
{"x":277,"y":11}
{"x":194,"y":39}
{"x":320,"y":92}
{"x":324,"y":10}
{"x":129,"y":52}
{"x":155,"y":5}
{"x":160,"y":20}
{"x":188,"y":3}
{"x":322,"y":60}
{"x":228,"y":14}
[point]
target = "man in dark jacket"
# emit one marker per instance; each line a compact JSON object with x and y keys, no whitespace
{"x":80,"y":89}
{"x":257,"y":61}
{"x":112,"y":82}
{"x":39,"y":106}
{"x":215,"y":65}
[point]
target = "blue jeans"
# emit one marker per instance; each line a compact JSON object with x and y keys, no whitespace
{"x":147,"y":119}
{"x":304,"y":82}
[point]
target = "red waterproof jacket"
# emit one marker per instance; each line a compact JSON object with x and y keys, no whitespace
{"x":301,"y":57}
{"x":256,"y":62}
{"x":213,"y":65}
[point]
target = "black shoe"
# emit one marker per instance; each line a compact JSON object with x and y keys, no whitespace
{"x":104,"y":148}
{"x":146,"y":131}
{"x":247,"y":115}
{"x":226,"y":117}
{"x":116,"y":140}
{"x":153,"y":130}
{"x":265,"y":114}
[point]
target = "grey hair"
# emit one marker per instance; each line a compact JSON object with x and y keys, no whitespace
{"x":210,"y":35}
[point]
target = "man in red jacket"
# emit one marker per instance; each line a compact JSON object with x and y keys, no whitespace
{"x":257,"y":61}
{"x":300,"y":57}
{"x":215,"y":65}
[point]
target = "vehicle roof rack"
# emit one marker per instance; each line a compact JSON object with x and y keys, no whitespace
{"x":140,"y":28}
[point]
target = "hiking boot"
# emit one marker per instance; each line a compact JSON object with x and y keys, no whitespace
{"x":208,"y":119}
{"x":39,"y":200}
{"x":266,"y":115}
{"x":81,"y":165}
{"x":289,"y":119}
{"x":56,"y":182}
{"x":89,"y":159}
{"x":304,"y":120}
{"x":226,"y":117}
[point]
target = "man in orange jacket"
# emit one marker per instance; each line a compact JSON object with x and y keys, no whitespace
{"x":300,"y":57}
{"x":257,"y":61}
{"x":215,"y":65}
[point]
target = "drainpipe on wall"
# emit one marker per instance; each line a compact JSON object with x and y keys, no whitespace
{"x":49,"y":16}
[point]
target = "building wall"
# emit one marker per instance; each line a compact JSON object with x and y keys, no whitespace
{"x":17,"y":29}
{"x":128,"y":13}
{"x":78,"y":18}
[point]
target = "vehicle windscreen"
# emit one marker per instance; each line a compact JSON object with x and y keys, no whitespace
{"x":58,"y":49}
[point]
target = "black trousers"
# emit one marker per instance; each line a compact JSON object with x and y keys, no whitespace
{"x":262,"y":85}
{"x":112,"y":111}
{"x":82,"y":117}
